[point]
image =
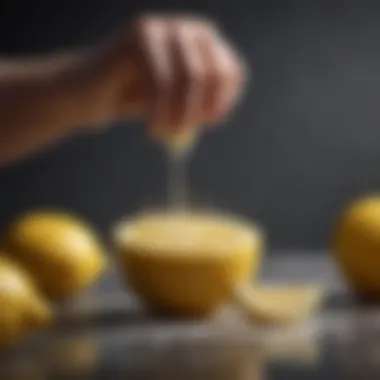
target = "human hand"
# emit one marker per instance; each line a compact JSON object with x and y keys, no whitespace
{"x":175,"y":71}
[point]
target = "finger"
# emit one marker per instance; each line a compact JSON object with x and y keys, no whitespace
{"x":224,"y":78}
{"x":155,"y":42}
{"x":235,"y":79}
{"x":213,"y":74}
{"x":189,"y":74}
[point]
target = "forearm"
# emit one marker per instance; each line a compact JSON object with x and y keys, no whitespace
{"x":41,"y":100}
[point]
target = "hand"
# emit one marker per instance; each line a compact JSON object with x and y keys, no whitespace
{"x":176,"y":72}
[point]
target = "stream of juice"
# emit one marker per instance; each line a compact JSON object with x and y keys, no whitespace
{"x":178,"y":156}
{"x":177,"y":180}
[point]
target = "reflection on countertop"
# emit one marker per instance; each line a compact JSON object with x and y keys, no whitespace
{"x":118,"y":341}
{"x":87,"y":355}
{"x":223,"y":349}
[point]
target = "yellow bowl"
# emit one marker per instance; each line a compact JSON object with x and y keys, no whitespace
{"x":187,"y":263}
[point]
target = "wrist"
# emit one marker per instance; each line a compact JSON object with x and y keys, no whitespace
{"x":114,"y":75}
{"x":99,"y":85}
{"x":69,"y":72}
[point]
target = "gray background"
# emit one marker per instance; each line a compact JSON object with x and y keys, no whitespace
{"x":304,"y":142}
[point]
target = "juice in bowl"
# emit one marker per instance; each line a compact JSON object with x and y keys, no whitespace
{"x":187,"y":262}
{"x":181,"y":260}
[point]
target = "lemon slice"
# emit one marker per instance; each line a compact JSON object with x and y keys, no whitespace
{"x":278,"y":305}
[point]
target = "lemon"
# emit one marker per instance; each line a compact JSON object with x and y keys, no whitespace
{"x":22,"y":308}
{"x":62,"y":254}
{"x":357,"y":245}
{"x":278,"y":305}
{"x":187,"y":263}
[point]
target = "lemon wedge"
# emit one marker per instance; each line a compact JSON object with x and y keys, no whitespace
{"x":278,"y":305}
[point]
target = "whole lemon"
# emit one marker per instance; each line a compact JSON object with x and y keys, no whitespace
{"x":357,"y":246}
{"x":62,"y":253}
{"x":22,"y":308}
{"x":187,"y":263}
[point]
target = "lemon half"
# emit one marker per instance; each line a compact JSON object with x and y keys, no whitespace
{"x":187,"y":263}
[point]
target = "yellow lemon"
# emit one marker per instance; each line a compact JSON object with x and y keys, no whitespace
{"x":187,"y":263}
{"x":22,"y":308}
{"x":278,"y":305}
{"x":357,"y":245}
{"x":62,"y":254}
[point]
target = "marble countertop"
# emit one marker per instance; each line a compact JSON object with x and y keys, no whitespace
{"x":107,"y":334}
